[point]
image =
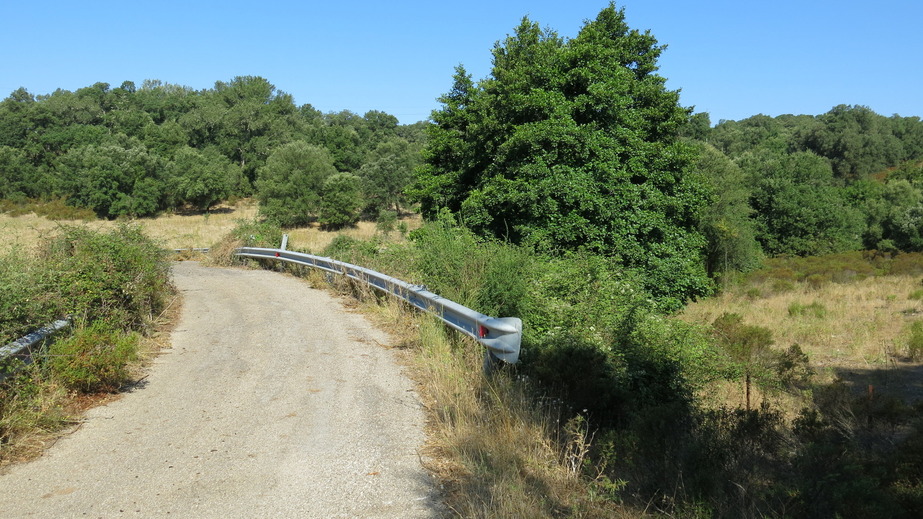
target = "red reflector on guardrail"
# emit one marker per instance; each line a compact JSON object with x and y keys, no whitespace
{"x":277,"y":254}
{"x":483,"y":331}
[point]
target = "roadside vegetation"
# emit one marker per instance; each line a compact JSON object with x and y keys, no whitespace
{"x":114,"y":286}
{"x":617,"y":410}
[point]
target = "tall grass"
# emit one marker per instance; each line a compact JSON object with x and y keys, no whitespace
{"x":502,"y":452}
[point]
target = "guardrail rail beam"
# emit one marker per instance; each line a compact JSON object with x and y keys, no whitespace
{"x":501,"y":336}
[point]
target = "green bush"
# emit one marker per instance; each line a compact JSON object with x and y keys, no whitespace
{"x":121,"y":276}
{"x":28,"y":298}
{"x":255,"y":233}
{"x":95,"y":358}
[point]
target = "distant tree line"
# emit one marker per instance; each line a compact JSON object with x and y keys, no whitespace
{"x":130,"y":151}
{"x":806,"y":185}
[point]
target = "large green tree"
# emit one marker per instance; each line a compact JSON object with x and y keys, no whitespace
{"x":726,"y":222}
{"x":341,"y":199}
{"x":573,"y":144}
{"x":117,"y":178}
{"x":387,"y":172}
{"x":16,"y":174}
{"x":291,"y":182}
{"x":856,"y":140}
{"x":201,"y":178}
{"x":800,"y":208}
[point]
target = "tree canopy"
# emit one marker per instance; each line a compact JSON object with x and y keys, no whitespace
{"x":573,"y":144}
{"x":134,"y":151}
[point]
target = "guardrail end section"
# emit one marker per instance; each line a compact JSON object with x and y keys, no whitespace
{"x":503,"y":337}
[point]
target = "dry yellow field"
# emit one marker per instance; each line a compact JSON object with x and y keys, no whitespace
{"x":184,"y":231}
{"x":864,"y":322}
{"x":857,"y":333}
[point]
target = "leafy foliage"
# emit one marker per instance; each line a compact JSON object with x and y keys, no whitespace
{"x":113,"y":179}
{"x":799,"y":210}
{"x":202,"y":179}
{"x":387,"y":171}
{"x":291,"y":181}
{"x":133,"y":151}
{"x":726,"y":222}
{"x":340,"y":200}
{"x":573,"y":145}
{"x":119,"y":277}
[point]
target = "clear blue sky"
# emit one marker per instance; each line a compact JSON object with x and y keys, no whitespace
{"x":732,"y":59}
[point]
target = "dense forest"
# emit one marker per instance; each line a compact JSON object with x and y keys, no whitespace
{"x":134,"y":152}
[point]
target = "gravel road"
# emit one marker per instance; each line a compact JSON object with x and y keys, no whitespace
{"x":274,"y":401}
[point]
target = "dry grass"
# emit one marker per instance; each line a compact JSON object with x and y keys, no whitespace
{"x":496,"y":450}
{"x":173,"y":231}
{"x":186,"y":231}
{"x":857,"y":332}
{"x":313,"y":239}
{"x":864,"y":322}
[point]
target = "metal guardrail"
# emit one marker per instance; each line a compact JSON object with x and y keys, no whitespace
{"x":22,"y":347}
{"x":500,"y":335}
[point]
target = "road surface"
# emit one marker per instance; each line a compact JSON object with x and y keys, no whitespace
{"x":274,"y":401}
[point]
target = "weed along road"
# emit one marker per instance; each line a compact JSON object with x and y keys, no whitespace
{"x":274,"y":401}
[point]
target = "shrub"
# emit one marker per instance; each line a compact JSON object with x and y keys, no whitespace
{"x":53,"y":209}
{"x":753,"y":293}
{"x":746,"y":346}
{"x":27,"y":299}
{"x":816,"y":281}
{"x":120,"y":277}
{"x":815,"y":309}
{"x":254,"y":233}
{"x":793,"y":367}
{"x":386,"y":221}
{"x":95,"y":358}
{"x":908,"y":264}
{"x":782,"y":285}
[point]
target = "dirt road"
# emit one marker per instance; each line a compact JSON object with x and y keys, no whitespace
{"x":274,"y":401}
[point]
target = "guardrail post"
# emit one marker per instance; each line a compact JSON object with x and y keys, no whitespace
{"x":284,"y":242}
